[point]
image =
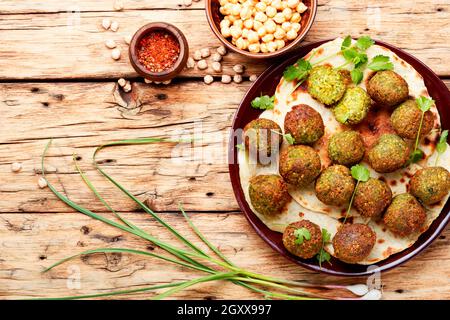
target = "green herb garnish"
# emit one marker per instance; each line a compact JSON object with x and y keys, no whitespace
{"x":380,"y":62}
{"x":323,"y":256}
{"x":424,"y":104}
{"x":263,"y":102}
{"x":359,"y":173}
{"x":441,"y":147}
{"x":357,"y":76}
{"x":240,"y":146}
{"x":298,"y":71}
{"x":289,"y":138}
{"x":301,"y":234}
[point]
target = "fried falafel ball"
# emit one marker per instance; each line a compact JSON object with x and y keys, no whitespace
{"x":405,"y":215}
{"x":346,"y":148}
{"x":261,"y":136}
{"x":353,"y":107}
{"x":389,"y":154}
{"x":430,"y":185}
{"x":388,"y":88}
{"x":299,"y":165}
{"x":335,"y":185}
{"x":301,"y":246}
{"x":326,"y":84}
{"x":268,"y":194}
{"x":304,"y":124}
{"x":406,"y":120}
{"x":372,"y":198}
{"x":353,"y":242}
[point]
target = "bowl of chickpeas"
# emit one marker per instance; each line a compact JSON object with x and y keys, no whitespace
{"x":261,"y":28}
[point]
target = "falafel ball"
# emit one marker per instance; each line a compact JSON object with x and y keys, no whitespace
{"x":305,"y":248}
{"x":335,"y":185}
{"x":304,"y":124}
{"x":430,"y":185}
{"x":326,"y":84}
{"x":346,"y":148}
{"x":389,"y":154}
{"x":353,"y":242}
{"x":261,"y":136}
{"x":405,"y":215}
{"x":388,"y":88}
{"x":353,"y":107}
{"x":299,"y":165}
{"x":372,"y":198}
{"x":406,"y":120}
{"x":268,"y":194}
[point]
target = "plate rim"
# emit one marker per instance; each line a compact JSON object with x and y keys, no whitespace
{"x":425,"y":239}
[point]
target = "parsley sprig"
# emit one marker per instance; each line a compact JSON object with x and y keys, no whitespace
{"x":301,"y":234}
{"x":441,"y":147}
{"x":289,"y":138}
{"x":424,"y":104}
{"x":263,"y":102}
{"x":359,"y":173}
{"x":323,"y":256}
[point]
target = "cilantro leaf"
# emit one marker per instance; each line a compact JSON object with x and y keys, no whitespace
{"x":323,"y":256}
{"x":441,"y":147}
{"x":364,"y":43}
{"x":360,"y":173}
{"x":289,"y":138}
{"x":380,"y":62}
{"x":263,"y":102}
{"x":346,"y":43}
{"x":424,"y":103}
{"x":240,"y":146}
{"x":357,"y":75}
{"x":415,"y":156}
{"x":298,"y":71}
{"x":326,"y":236}
{"x":301,"y":235}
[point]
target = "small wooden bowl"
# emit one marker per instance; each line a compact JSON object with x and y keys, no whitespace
{"x":167,"y":74}
{"x":214,"y":18}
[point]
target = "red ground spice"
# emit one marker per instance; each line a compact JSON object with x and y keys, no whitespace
{"x":158,"y":51}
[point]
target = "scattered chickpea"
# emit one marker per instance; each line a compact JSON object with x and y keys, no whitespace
{"x":122,"y":82}
{"x":106,"y":23}
{"x":167,"y":82}
{"x":190,"y":63}
{"x":114,"y":26}
{"x":216,"y":66}
{"x":197,"y":55}
{"x":127,"y":88}
{"x":226,"y":78}
{"x":202,"y":65}
{"x":127,"y":39}
{"x":216,"y":57}
{"x":16,"y":167}
{"x":115,"y":54}
{"x":253,"y":78}
{"x":42,"y":183}
{"x":205,"y":52}
{"x":239,"y":68}
{"x":237,"y":78}
{"x":111,"y":44}
{"x":222,"y":50}
{"x":187,"y":3}
{"x":118,"y":5}
{"x":208,"y":79}
{"x":148,"y":81}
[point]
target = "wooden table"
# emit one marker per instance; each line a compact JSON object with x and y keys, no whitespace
{"x":58,"y":80}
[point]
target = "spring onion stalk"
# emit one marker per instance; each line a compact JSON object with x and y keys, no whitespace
{"x":182,"y":257}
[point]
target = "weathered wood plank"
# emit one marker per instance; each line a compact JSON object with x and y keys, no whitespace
{"x":81,"y":116}
{"x":52,"y":46}
{"x":56,"y":6}
{"x":32,"y":242}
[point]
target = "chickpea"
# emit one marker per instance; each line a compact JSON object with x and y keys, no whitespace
{"x":260,"y":16}
{"x":286,"y":26}
{"x":224,"y":11}
{"x":279,"y":34}
{"x":291,"y":34}
{"x":241,"y":43}
{"x":277,"y":4}
{"x":226,"y":32}
{"x":272,"y":46}
{"x":236,"y":10}
{"x":246,"y":13}
{"x":293,"y":3}
{"x":245,"y":33}
{"x":270,"y":25}
{"x":284,"y":4}
{"x":225,"y":23}
{"x":235,"y":31}
{"x":257,"y":25}
{"x":248,"y":23}
{"x":261,"y":6}
{"x":254,"y":47}
{"x":271,"y":11}
{"x":238,"y":23}
{"x":279,"y":18}
{"x":223,"y":2}
{"x":296,"y":26}
{"x":301,"y":7}
{"x":232,"y":18}
{"x":261,"y":31}
{"x":266,"y":1}
{"x":287,"y":13}
{"x":263,"y":48}
{"x":268,"y":37}
{"x":280,"y":44}
{"x":252,"y":36}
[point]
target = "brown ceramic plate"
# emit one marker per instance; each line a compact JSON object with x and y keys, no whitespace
{"x":266,"y":84}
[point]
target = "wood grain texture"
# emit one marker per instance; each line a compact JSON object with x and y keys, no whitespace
{"x":32,"y":242}
{"x":64,"y":45}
